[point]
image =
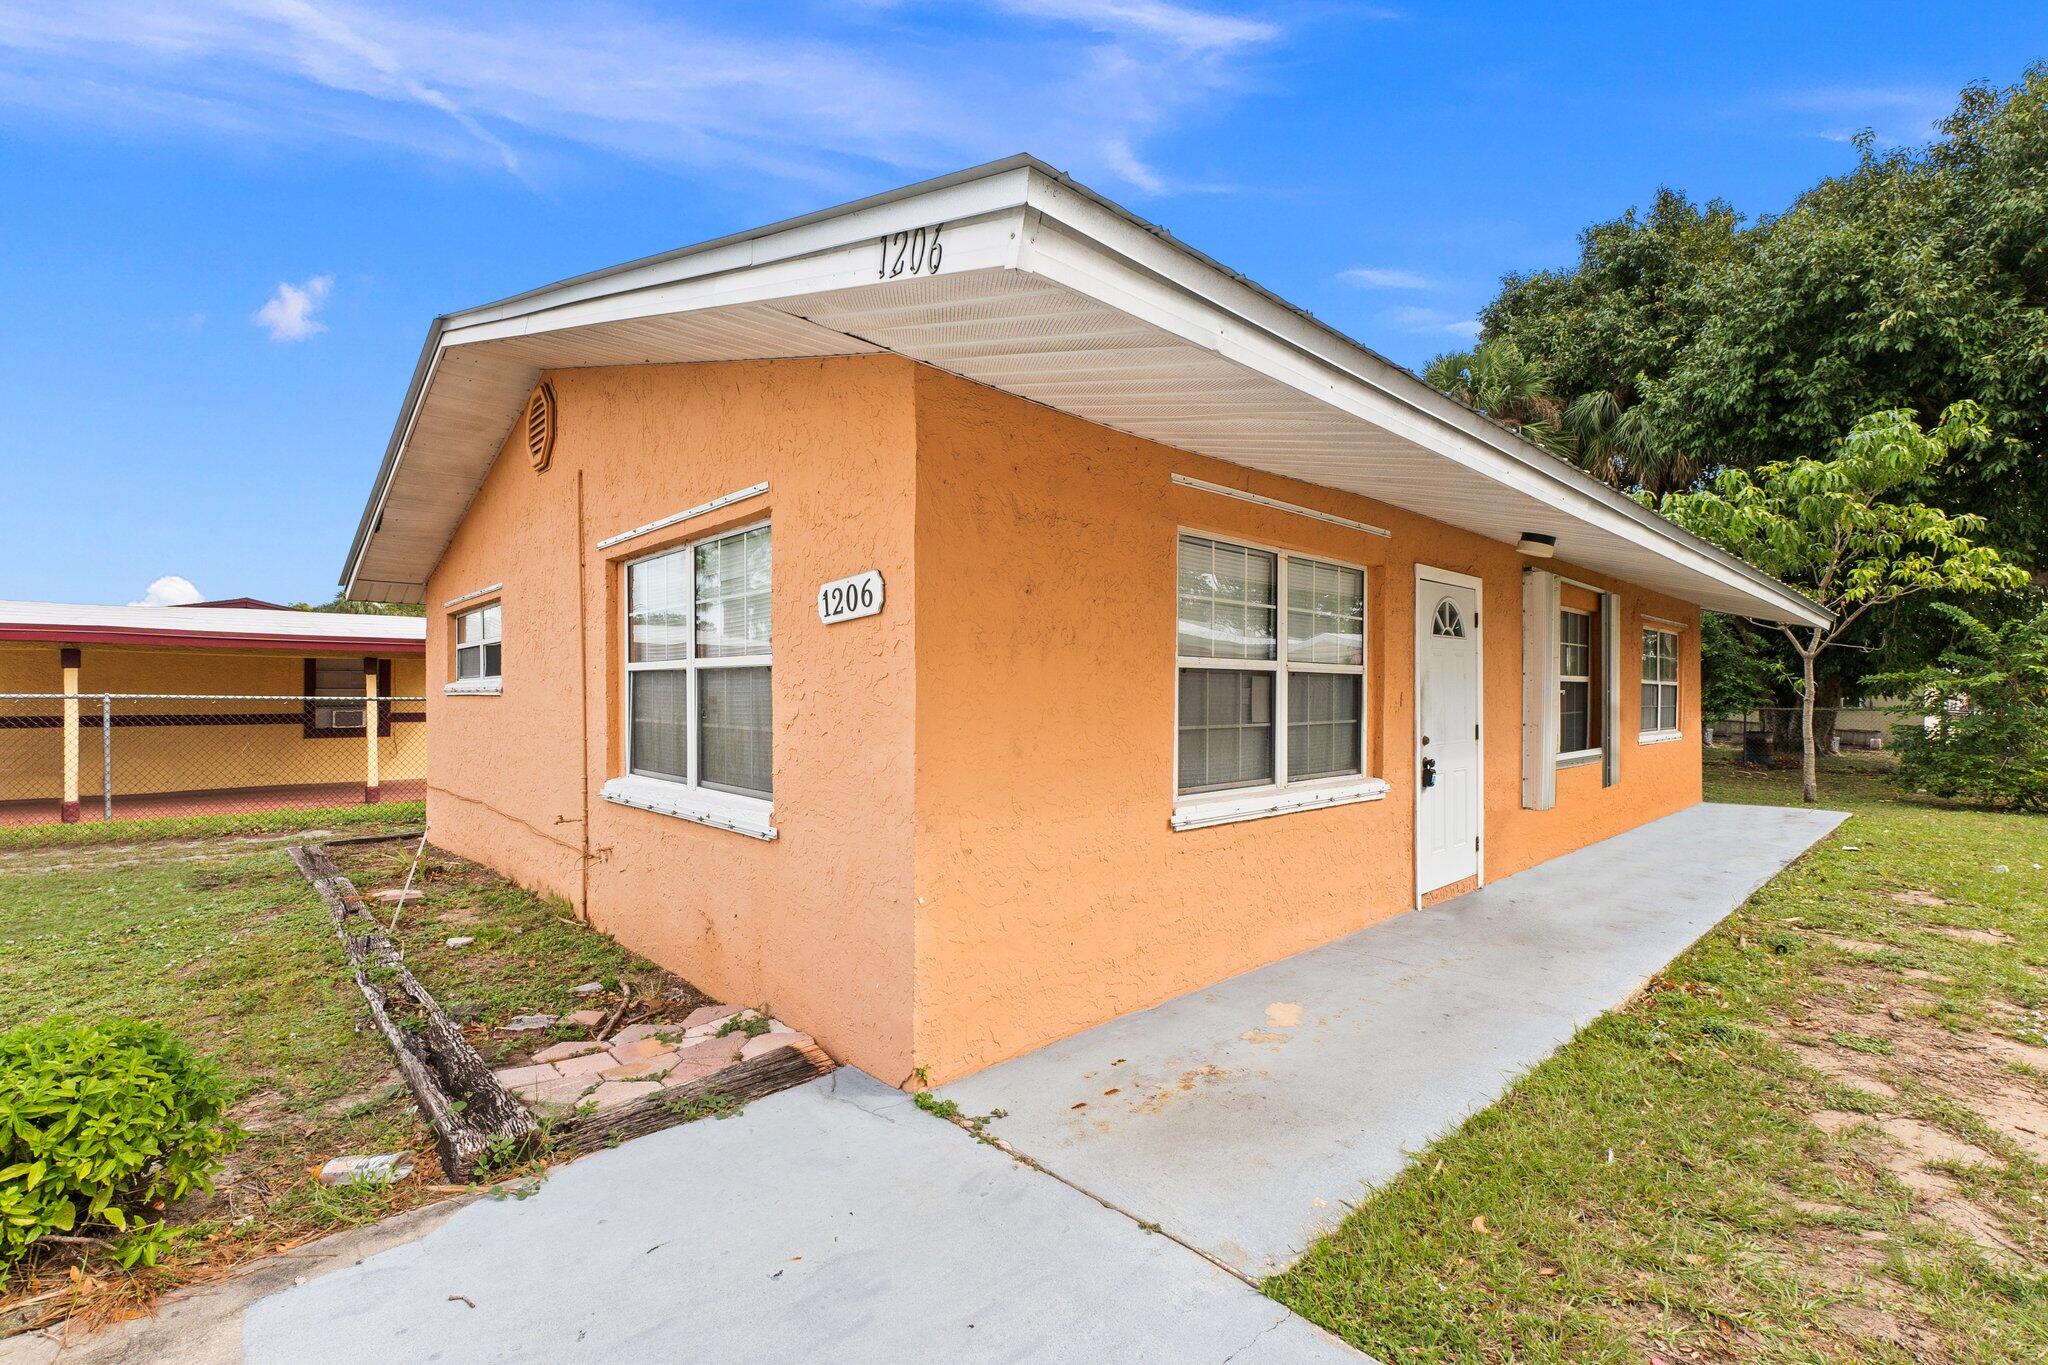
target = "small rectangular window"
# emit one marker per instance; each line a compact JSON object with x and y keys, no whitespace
{"x":1660,"y":682}
{"x":699,"y":708}
{"x":338,"y":678}
{"x":1252,"y":711}
{"x":333,"y":704}
{"x":479,"y":651}
{"x":1576,"y":730}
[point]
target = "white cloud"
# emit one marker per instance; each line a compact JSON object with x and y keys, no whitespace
{"x":170,"y":591}
{"x":288,"y":315}
{"x":1182,"y":25}
{"x":903,"y":88}
{"x":1386,"y":277}
{"x":1430,"y":322}
{"x":1124,"y":162}
{"x":1897,"y":115}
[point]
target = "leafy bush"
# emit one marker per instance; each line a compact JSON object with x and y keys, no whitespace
{"x":101,"y":1124}
{"x":1988,"y":694}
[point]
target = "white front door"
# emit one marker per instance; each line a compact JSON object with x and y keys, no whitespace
{"x":1448,"y":805}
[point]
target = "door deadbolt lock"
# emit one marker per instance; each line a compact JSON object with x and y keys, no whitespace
{"x":1428,"y":773}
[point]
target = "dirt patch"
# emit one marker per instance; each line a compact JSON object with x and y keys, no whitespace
{"x":1858,"y":945}
{"x":1896,"y":1043}
{"x":1962,"y":935}
{"x":1917,"y":898}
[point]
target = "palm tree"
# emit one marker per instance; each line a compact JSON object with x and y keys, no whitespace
{"x":1497,"y":381}
{"x":1613,"y":440}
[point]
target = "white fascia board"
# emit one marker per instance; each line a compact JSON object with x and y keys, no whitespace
{"x":980,"y":231}
{"x":1074,"y":240}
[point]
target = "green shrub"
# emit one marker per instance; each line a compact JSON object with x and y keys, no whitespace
{"x":100,"y":1125}
{"x":1988,"y":694}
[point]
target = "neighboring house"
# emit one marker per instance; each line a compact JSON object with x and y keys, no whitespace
{"x":217,"y":698}
{"x":969,"y":614}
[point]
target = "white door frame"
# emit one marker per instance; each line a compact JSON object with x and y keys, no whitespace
{"x":1429,"y":573}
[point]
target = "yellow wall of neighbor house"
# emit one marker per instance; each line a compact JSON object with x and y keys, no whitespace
{"x":973,"y":789}
{"x":817,"y":923}
{"x":1052,"y":891}
{"x":177,"y":756}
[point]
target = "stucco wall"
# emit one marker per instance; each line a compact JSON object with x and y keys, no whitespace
{"x":180,"y":757}
{"x":1052,"y":892}
{"x":973,"y":790}
{"x":817,"y":923}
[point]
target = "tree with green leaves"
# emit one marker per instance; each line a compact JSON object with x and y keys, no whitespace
{"x":1914,"y":280}
{"x":1985,"y":699}
{"x":1846,"y":531}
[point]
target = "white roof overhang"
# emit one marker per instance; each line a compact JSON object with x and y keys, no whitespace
{"x":1047,"y":291}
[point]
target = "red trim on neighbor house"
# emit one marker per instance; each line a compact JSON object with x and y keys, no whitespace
{"x":67,"y":811}
{"x":68,"y":657}
{"x":370,"y":797}
{"x":213,"y":639}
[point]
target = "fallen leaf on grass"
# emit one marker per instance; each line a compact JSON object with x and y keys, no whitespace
{"x":1479,"y":1226}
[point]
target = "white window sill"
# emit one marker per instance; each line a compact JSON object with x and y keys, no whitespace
{"x":1223,"y":808}
{"x":1579,"y":759}
{"x":474,"y":687}
{"x":1659,"y":736}
{"x":746,"y":815}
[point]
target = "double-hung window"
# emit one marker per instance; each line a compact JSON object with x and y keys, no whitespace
{"x":479,"y":651}
{"x":698,"y":661}
{"x":1271,"y":669}
{"x":1660,"y":682}
{"x":1577,"y":736}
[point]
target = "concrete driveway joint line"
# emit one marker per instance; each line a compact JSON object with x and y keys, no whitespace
{"x":1247,"y":1119}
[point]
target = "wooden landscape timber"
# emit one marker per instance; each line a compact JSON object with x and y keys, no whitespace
{"x":753,"y":1079}
{"x":471,"y":1113}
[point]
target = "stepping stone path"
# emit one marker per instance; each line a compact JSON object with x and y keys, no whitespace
{"x":640,"y":1059}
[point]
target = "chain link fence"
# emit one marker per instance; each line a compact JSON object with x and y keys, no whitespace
{"x":155,"y":763}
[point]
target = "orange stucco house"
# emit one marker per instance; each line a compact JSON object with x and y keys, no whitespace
{"x":966,"y":615}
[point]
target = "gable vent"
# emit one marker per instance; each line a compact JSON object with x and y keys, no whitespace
{"x":540,"y":427}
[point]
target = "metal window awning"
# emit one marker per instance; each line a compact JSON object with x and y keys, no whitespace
{"x":1043,"y":289}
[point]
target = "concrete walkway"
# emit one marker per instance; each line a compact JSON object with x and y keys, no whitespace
{"x":831,"y":1222}
{"x":1246,"y":1117}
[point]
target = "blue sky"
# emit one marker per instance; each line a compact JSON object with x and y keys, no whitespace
{"x":226,"y":224}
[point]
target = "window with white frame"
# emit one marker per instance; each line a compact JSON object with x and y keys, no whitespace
{"x":1265,"y":700}
{"x":698,"y":665}
{"x":1576,"y":734}
{"x":1660,"y":682}
{"x":479,"y":655}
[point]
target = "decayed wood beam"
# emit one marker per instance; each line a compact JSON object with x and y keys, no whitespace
{"x":468,"y":1108}
{"x":749,"y":1080}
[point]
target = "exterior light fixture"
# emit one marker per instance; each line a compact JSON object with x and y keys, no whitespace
{"x":1536,"y":545}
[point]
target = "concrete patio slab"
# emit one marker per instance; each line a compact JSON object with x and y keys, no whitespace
{"x":1246,"y":1118}
{"x":834,"y":1221}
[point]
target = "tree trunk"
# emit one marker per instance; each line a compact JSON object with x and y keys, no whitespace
{"x":1809,"y":777}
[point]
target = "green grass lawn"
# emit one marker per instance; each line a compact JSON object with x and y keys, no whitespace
{"x":355,"y":818}
{"x":1819,"y":1136}
{"x":224,"y":942}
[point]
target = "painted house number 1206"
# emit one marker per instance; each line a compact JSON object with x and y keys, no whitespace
{"x":849,"y":599}
{"x":916,"y":252}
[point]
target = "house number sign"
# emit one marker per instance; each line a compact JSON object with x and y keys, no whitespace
{"x":849,"y":599}
{"x":916,"y":252}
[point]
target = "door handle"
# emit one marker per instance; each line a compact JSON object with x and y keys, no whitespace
{"x":1428,"y":773}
